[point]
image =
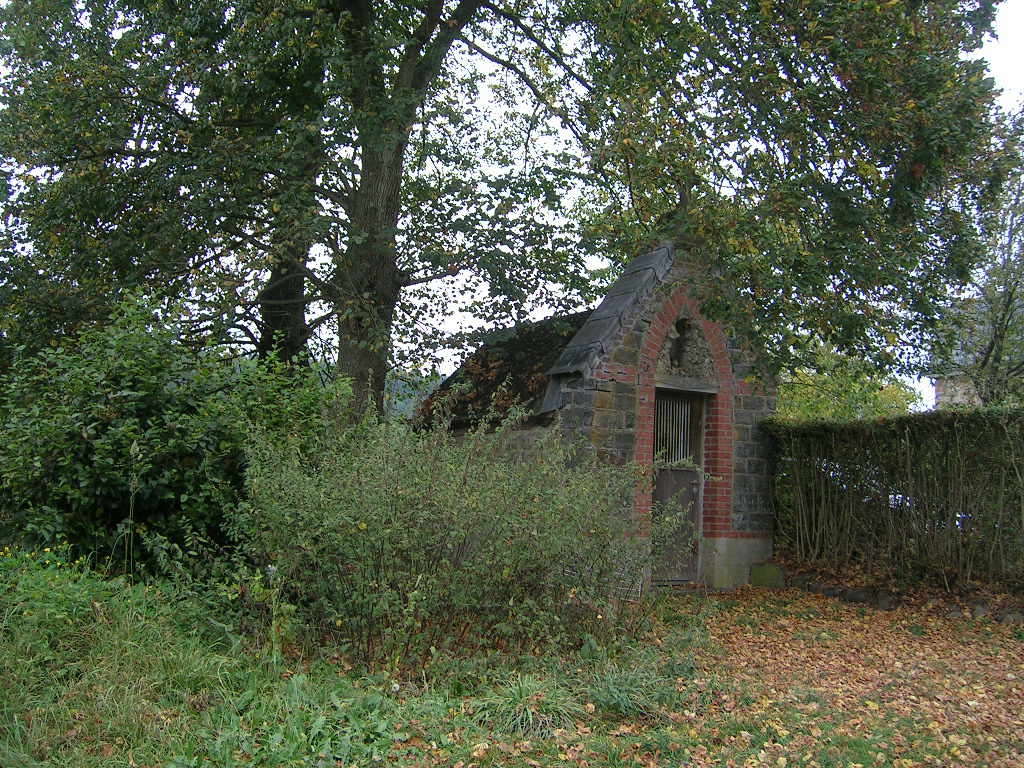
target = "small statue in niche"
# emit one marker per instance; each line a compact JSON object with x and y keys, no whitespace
{"x":685,"y":352}
{"x":673,"y":351}
{"x":677,"y":348}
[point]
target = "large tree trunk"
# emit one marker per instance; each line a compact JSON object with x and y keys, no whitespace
{"x":292,"y":201}
{"x":367,"y":278}
{"x":364,"y":349}
{"x":282,"y":304}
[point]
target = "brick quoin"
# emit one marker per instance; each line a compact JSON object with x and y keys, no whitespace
{"x":718,"y":441}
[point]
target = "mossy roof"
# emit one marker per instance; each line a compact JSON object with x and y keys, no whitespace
{"x":510,"y":367}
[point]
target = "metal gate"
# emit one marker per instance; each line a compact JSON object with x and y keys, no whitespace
{"x":678,"y":442}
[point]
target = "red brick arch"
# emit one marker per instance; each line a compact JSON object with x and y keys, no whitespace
{"x":718,"y":419}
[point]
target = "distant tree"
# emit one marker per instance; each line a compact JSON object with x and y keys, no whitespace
{"x":405,"y":390}
{"x":842,"y":388}
{"x":301,"y":166}
{"x":984,"y":346}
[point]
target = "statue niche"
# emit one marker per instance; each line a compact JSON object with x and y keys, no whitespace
{"x":685,"y":357}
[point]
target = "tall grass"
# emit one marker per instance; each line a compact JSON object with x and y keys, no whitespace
{"x":101,"y":672}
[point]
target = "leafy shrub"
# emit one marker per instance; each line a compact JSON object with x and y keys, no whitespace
{"x":399,"y":542}
{"x":130,"y":430}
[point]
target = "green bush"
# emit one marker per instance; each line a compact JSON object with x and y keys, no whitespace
{"x":398,"y":541}
{"x":130,"y":431}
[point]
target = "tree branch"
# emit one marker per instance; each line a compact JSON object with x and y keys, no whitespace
{"x":312,"y":325}
{"x":341,"y":199}
{"x":531,"y":85}
{"x":533,"y":37}
{"x":429,"y":64}
{"x":450,"y":272}
{"x":417,"y":41}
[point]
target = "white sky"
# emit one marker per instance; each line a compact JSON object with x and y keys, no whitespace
{"x":1005,"y":56}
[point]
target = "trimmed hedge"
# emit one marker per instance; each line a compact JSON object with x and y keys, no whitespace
{"x":936,"y":495}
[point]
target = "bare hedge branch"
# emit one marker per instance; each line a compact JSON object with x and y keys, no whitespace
{"x":936,"y":495}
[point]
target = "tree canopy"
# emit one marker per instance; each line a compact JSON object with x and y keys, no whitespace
{"x":841,"y":388}
{"x":353,"y":170}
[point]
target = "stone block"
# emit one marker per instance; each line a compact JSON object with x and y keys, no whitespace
{"x":624,"y":401}
{"x":726,"y":562}
{"x":573,"y":417}
{"x":607,"y":419}
{"x":858,"y":595}
{"x":623,"y":442}
{"x":754,"y":403}
{"x":604,"y":400}
{"x":580,"y":397}
{"x":742,"y":484}
{"x":886,"y":601}
{"x":769,"y":575}
{"x":762,"y":522}
{"x":828,"y":590}
{"x":624,"y":355}
{"x":799,"y":581}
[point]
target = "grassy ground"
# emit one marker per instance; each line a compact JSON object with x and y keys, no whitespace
{"x":97,"y":673}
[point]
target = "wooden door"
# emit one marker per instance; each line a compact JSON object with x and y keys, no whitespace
{"x":678,"y":442}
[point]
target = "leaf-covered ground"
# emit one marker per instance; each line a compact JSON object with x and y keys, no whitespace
{"x":835,"y":684}
{"x":793,"y":679}
{"x":101,"y":673}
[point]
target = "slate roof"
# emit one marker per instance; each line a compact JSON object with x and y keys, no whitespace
{"x":517,"y":365}
{"x":594,"y":339}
